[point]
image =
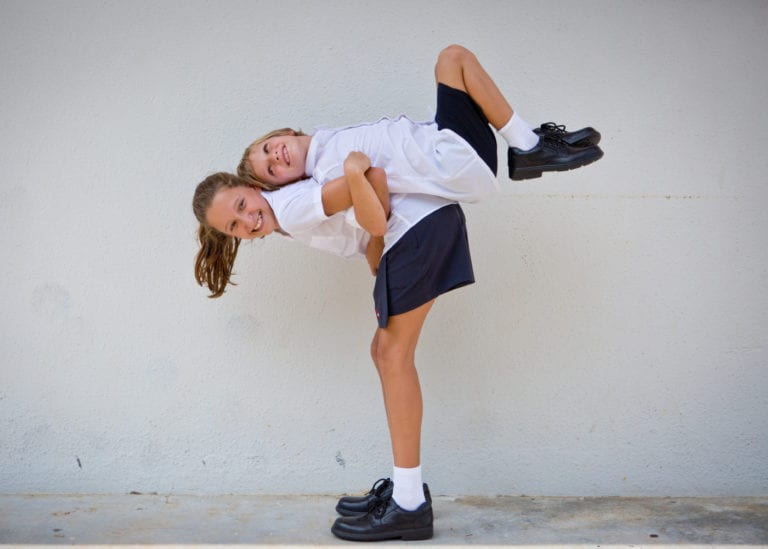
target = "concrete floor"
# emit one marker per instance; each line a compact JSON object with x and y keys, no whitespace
{"x":191,"y":521}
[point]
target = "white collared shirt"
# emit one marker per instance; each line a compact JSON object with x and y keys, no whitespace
{"x":417,"y":157}
{"x":426,"y":169}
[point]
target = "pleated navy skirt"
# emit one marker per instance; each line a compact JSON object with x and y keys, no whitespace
{"x":429,"y":260}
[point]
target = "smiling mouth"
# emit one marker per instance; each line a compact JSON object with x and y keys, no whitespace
{"x":286,"y":157}
{"x":259,"y":223}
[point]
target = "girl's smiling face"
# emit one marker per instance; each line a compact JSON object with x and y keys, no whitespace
{"x":280,"y":160}
{"x":241,"y":212}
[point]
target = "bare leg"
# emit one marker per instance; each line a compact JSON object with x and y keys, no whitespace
{"x":406,"y":515}
{"x":528,"y":156}
{"x":393,"y":351}
{"x":458,"y":68}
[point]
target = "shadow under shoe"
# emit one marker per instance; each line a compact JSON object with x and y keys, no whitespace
{"x":551,"y":154}
{"x":352,"y":506}
{"x":585,"y":137}
{"x":387,"y":520}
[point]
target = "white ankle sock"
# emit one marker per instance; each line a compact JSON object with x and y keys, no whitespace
{"x":408,"y":491}
{"x":519,"y":134}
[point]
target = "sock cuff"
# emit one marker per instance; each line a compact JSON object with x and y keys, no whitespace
{"x":407,"y":471}
{"x":519,"y":133}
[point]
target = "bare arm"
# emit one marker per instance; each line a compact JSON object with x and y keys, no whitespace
{"x":337,"y":197}
{"x":369,"y":211}
{"x":373,"y":253}
{"x":378,"y":179}
{"x":366,"y":191}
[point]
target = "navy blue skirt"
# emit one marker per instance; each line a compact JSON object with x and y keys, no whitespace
{"x":429,"y":260}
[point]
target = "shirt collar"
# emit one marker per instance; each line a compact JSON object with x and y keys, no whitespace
{"x":311,"y":157}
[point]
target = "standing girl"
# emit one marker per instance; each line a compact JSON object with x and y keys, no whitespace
{"x":426,"y":250}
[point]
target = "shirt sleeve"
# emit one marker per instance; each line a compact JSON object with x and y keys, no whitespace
{"x":298,"y":207}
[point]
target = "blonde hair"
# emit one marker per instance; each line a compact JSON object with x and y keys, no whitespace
{"x":245,"y":170}
{"x":216,"y":257}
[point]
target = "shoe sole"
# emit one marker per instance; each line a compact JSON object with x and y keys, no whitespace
{"x":535,"y":172}
{"x":415,"y":534}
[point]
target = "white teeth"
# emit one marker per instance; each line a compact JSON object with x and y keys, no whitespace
{"x":259,"y":222}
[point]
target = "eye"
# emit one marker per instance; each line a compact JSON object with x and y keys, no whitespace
{"x":241,"y":205}
{"x":270,"y":171}
{"x":232,"y":227}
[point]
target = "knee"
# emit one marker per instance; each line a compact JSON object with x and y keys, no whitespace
{"x":454,"y":55}
{"x":391,"y":357}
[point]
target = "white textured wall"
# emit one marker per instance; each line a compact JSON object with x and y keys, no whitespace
{"x":615,"y":342}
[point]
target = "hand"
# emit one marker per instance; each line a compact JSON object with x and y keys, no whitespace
{"x":373,"y":253}
{"x":357,"y":160}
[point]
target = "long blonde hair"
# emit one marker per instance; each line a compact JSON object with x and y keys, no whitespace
{"x":216,"y":257}
{"x":245,"y":170}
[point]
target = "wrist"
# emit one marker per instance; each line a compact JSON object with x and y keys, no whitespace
{"x":352,"y":169}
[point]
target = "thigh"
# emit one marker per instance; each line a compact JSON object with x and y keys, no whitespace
{"x":456,"y":111}
{"x":403,"y":331}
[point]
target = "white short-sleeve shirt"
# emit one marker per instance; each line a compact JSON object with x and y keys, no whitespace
{"x":426,"y":169}
{"x":417,"y":157}
{"x":299,"y":212}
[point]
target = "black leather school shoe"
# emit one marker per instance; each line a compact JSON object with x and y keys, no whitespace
{"x":585,"y":137}
{"x":387,"y":521}
{"x":351,"y":506}
{"x":550,"y":155}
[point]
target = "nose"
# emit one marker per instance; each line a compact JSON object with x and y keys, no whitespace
{"x":244,"y":220}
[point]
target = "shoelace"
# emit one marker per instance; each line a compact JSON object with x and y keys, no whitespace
{"x":376,"y":490}
{"x":380,"y":507}
{"x":551,"y":127}
{"x":379,"y":486}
